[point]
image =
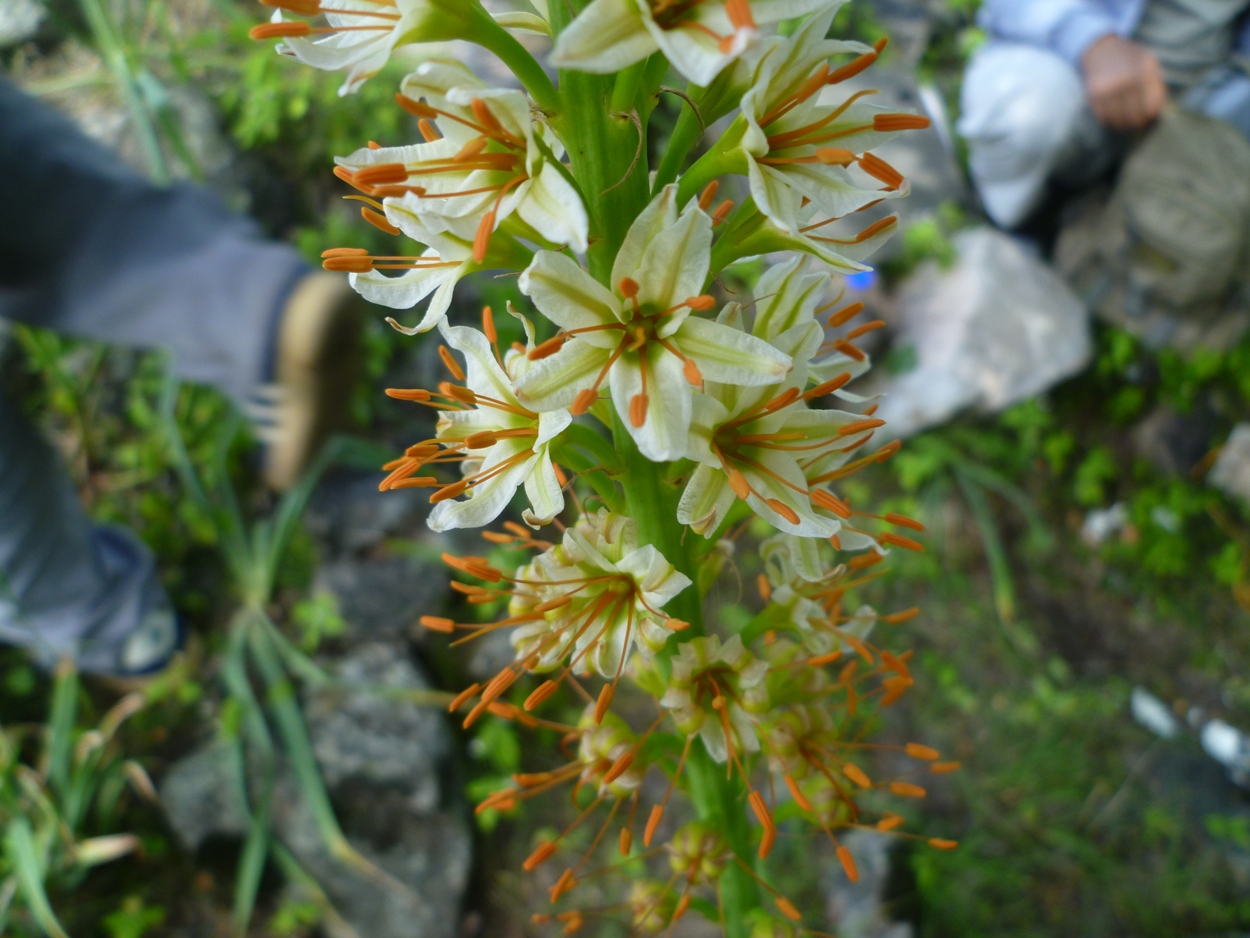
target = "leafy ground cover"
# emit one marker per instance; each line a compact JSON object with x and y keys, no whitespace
{"x":1073,"y":820}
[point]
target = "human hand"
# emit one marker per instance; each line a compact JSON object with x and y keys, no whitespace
{"x":1124,"y":83}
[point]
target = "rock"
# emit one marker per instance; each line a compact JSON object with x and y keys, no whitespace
{"x":417,"y":866}
{"x":1153,"y":714}
{"x":383,"y":597}
{"x":858,"y":908}
{"x":1101,"y":523}
{"x":19,"y":21}
{"x":347,"y":513}
{"x":1173,"y":442}
{"x":1231,"y":472}
{"x":382,"y":760}
{"x":361,"y":736}
{"x":996,"y":328}
{"x":201,"y":798}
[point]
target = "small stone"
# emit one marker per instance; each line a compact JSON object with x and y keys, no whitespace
{"x":383,"y":597}
{"x":201,"y":797}
{"x":995,"y":329}
{"x":1231,"y":472}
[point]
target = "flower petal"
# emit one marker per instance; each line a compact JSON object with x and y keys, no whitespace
{"x":729,"y":356}
{"x":553,"y":383}
{"x":662,"y":436}
{"x":606,"y":37}
{"x":542,"y":487}
{"x":660,"y":213}
{"x":570,"y":297}
{"x":674,"y":265}
{"x":706,"y":500}
{"x":554,"y":209}
{"x":487,"y":500}
{"x":482,"y":373}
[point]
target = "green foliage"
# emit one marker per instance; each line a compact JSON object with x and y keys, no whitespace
{"x":60,"y":784}
{"x":133,"y":919}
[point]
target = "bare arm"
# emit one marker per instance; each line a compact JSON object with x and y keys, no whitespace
{"x":1124,"y":83}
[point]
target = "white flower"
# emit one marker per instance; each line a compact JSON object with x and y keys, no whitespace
{"x":717,"y":690}
{"x":754,"y":443}
{"x":798,"y":135}
{"x":505,"y":445}
{"x":360,"y":35}
{"x":600,"y":593}
{"x":699,"y":37}
{"x":491,"y":164}
{"x":640,"y":336}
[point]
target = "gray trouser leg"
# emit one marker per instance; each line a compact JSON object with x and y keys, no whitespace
{"x":89,"y":248}
{"x":68,"y":587}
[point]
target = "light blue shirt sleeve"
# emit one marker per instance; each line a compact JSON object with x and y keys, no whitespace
{"x":1066,"y":27}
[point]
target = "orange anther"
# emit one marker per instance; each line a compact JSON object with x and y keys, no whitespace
{"x":381,"y":174}
{"x":541,"y":693}
{"x":546,"y":349}
{"x":584,"y":401}
{"x":767,"y":841}
{"x":408,"y":394}
{"x":899,"y":541}
{"x":463,"y":395}
{"x":483,"y":439}
{"x":463,"y":697}
{"x":628,"y":288}
{"x":428,"y":133}
{"x":481,"y":240}
{"x":941,"y":768}
{"x":787,"y":908}
{"x":848,"y":864}
{"x":638,"y":410}
{"x":627,"y":841}
{"x":821,"y":660}
{"x":943,"y":844}
{"x":438,"y":624}
{"x":889,"y":822}
{"x":657,"y":812}
{"x":878,"y":168}
{"x":378,"y":220}
{"x":279,"y":30}
{"x":917,"y":751}
{"x":722,"y":212}
{"x":682,"y":904}
{"x":766,"y":590}
{"x":452,"y":365}
{"x":859,"y":426}
{"x":604,"y":701}
{"x":739,"y":13}
{"x":488,"y":325}
{"x":454,"y":490}
{"x":907,"y":790}
{"x":544,"y":852}
{"x":830,"y":501}
{"x":619,"y":767}
{"x":851,"y":68}
{"x":903,"y":521}
{"x":896,"y":617}
{"x":676,"y":625}
{"x":416,"y":108}
{"x":835,"y":156}
{"x":345,"y":252}
{"x":888,"y":123}
{"x":845,"y":315}
{"x":301,"y":7}
{"x":797,"y":793}
{"x":864,"y":330}
{"x":354,"y":264}
{"x":738,"y":483}
{"x":856,"y":775}
{"x":782,"y":509}
{"x":709,"y":194}
{"x":701,"y":303}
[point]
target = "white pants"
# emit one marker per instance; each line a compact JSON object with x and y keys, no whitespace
{"x":1026,"y":121}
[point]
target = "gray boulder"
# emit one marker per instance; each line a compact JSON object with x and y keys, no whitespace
{"x":1231,"y":472}
{"x":996,"y":328}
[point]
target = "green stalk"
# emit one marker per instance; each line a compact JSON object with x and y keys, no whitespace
{"x":490,"y":35}
{"x":685,"y":135}
{"x":718,"y":798}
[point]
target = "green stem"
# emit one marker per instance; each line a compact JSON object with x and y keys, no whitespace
{"x":685,"y":135}
{"x":715,"y":162}
{"x":625,"y":90}
{"x":490,"y":35}
{"x":718,"y":798}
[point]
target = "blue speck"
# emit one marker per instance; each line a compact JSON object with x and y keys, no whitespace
{"x":863,"y":280}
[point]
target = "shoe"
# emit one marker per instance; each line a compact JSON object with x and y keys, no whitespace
{"x":317,"y":365}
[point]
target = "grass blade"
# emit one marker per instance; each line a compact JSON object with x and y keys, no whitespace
{"x":19,"y":844}
{"x":61,"y":725}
